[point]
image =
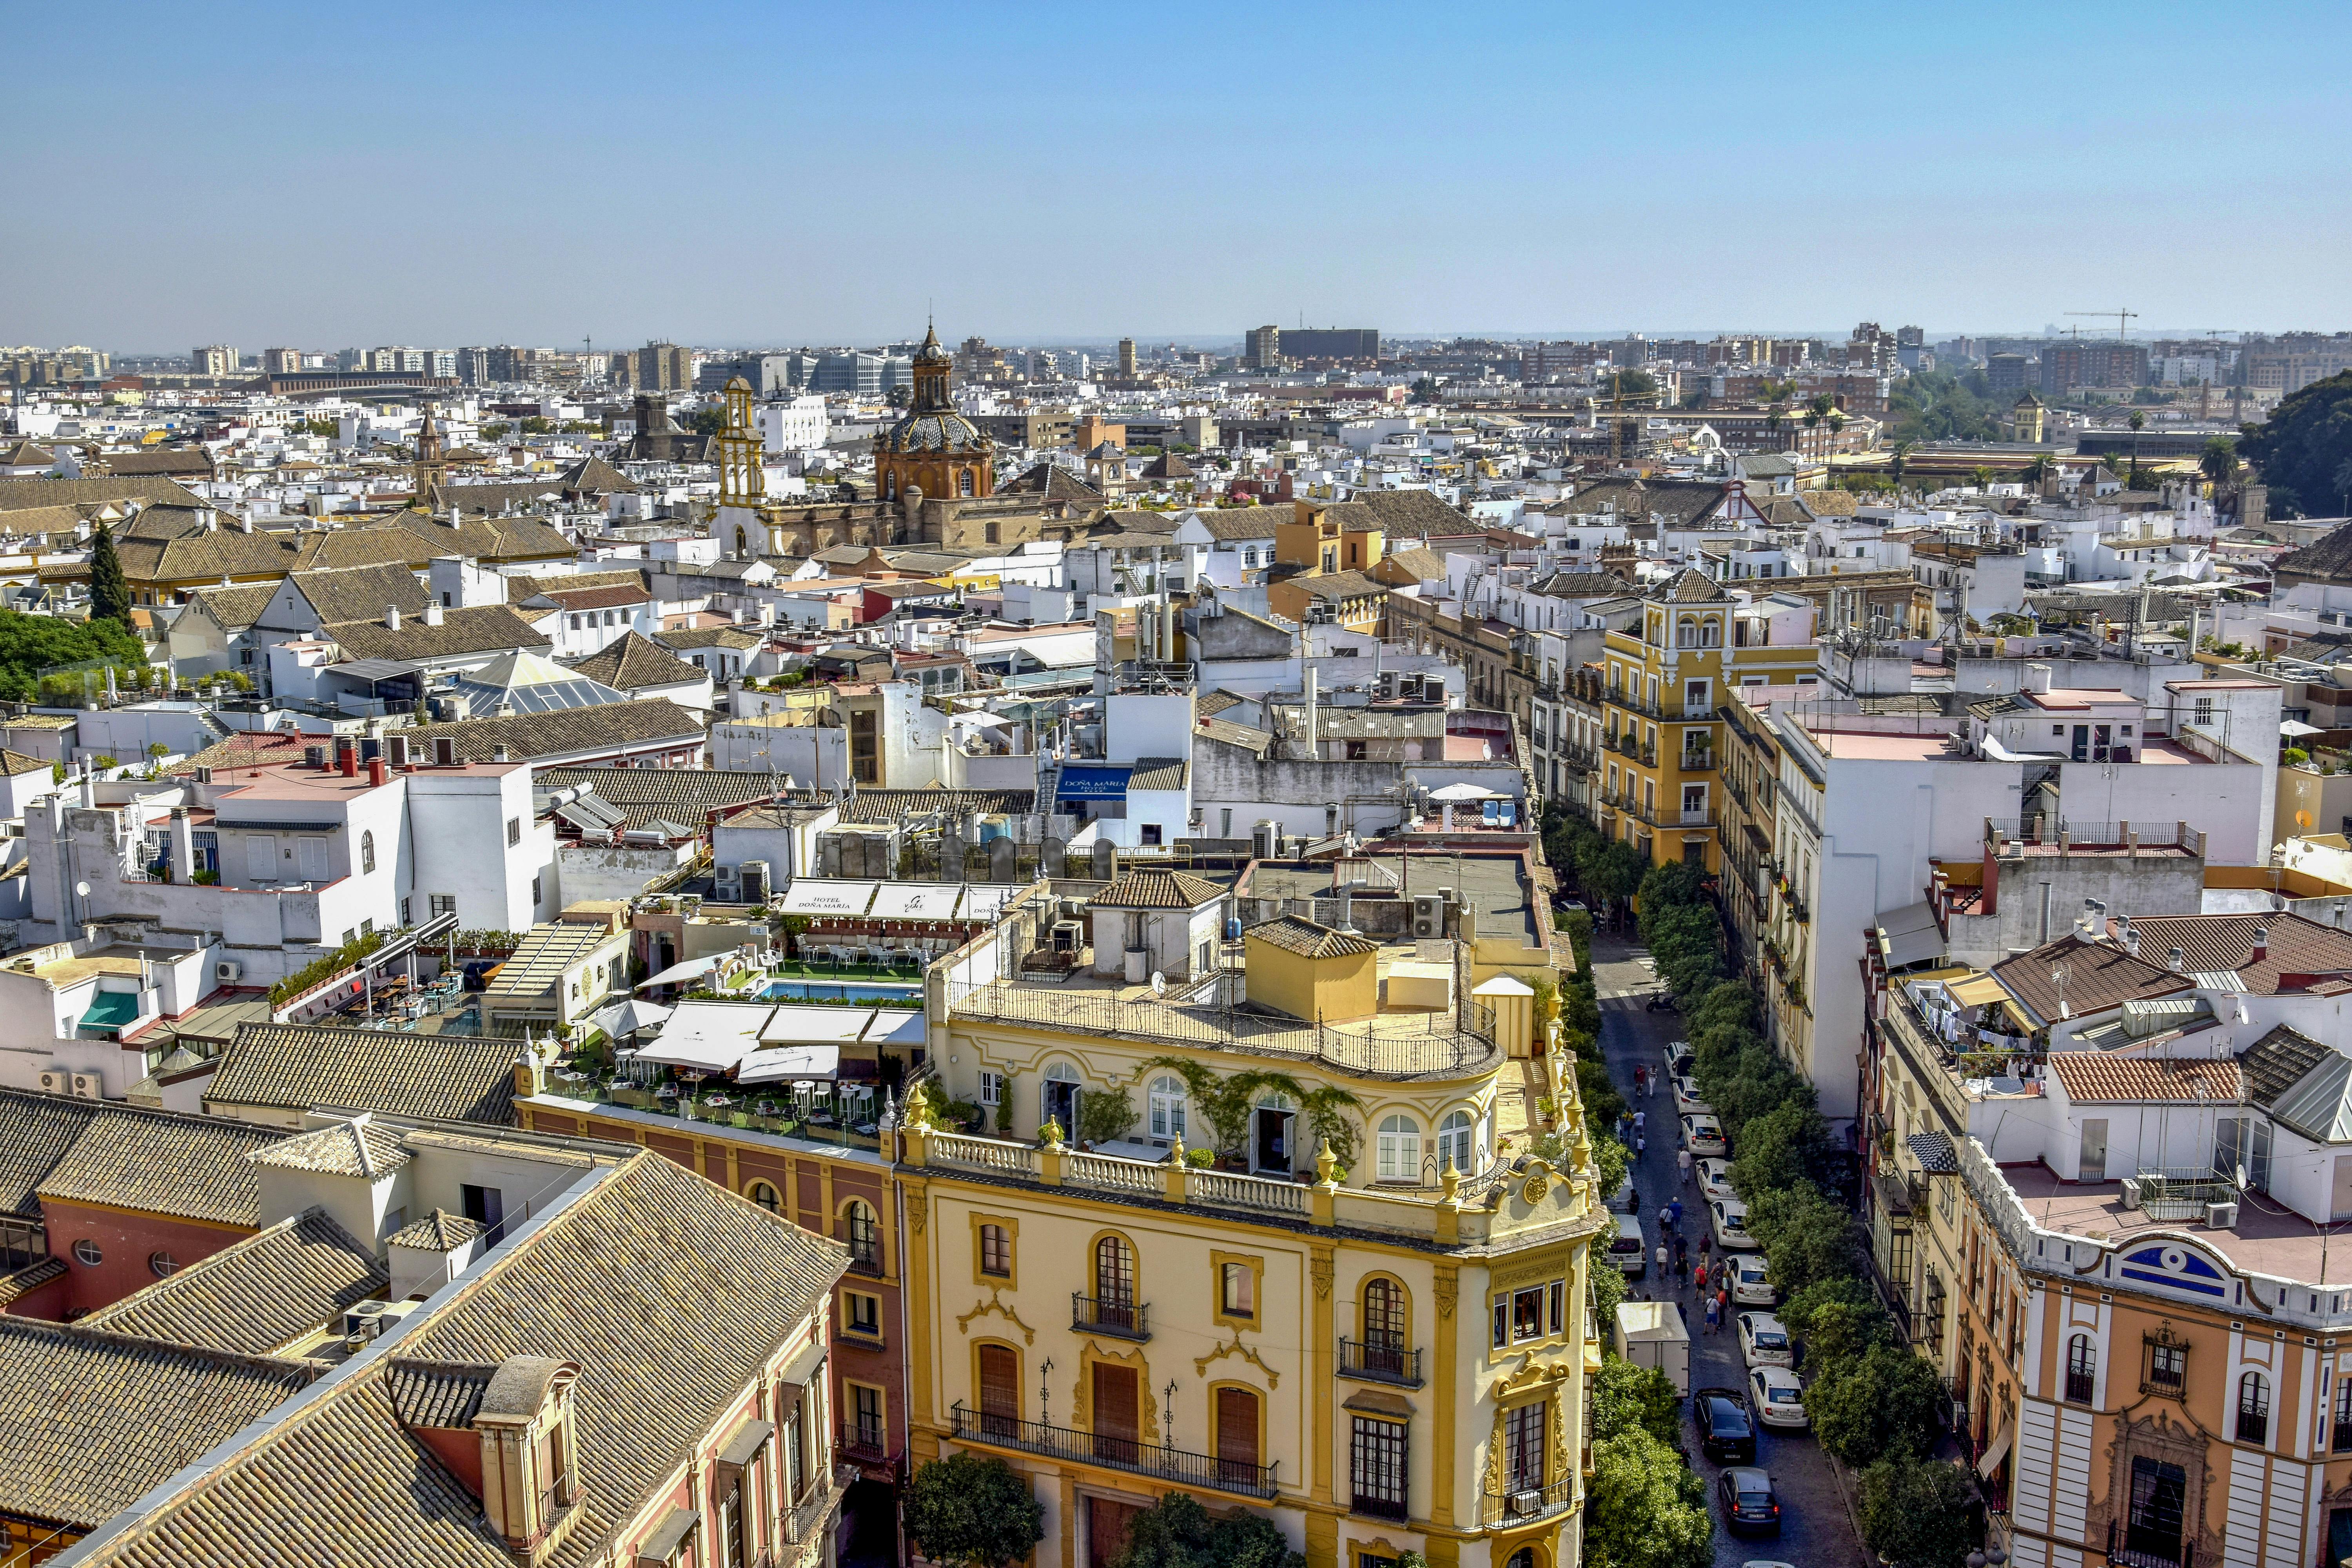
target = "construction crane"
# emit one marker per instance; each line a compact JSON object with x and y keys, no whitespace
{"x":2123,"y":319}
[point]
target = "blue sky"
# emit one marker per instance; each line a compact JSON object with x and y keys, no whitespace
{"x":329,"y":174}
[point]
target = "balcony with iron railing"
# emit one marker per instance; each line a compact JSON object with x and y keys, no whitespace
{"x":1695,"y":760}
{"x":1526,"y":1504}
{"x":865,"y":1442}
{"x":1068,"y":1444}
{"x":1096,"y":1315}
{"x":1379,"y":1364}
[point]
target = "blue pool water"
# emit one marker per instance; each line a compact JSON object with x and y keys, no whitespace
{"x":839,"y":991}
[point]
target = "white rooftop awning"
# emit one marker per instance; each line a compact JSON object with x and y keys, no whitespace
{"x":680,"y":973}
{"x":782,"y":1063}
{"x":707,"y":1036}
{"x":827,"y":896}
{"x":1909,"y":935}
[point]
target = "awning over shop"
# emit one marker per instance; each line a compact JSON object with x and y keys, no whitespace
{"x":1093,"y":783}
{"x":1995,"y":1452}
{"x":1909,"y":935}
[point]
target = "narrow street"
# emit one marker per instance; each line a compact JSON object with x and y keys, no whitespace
{"x":1817,"y":1527}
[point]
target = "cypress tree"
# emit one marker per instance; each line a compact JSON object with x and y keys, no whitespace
{"x":110,"y":591}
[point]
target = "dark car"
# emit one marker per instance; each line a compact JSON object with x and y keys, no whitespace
{"x":1745,"y":1496}
{"x":1726,"y":1430}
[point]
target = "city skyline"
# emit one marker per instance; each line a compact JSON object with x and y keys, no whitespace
{"x":611,"y":181}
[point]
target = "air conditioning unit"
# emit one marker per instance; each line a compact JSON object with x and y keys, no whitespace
{"x":2131,"y":1192}
{"x":2222,"y":1217}
{"x":365,"y":1320}
{"x":227,"y":971}
{"x":1069,"y":936}
{"x":752,"y":876}
{"x":56,"y":1081}
{"x":1428,"y":916}
{"x":86,"y":1086}
{"x":1526,"y":1502}
{"x":727,"y":880}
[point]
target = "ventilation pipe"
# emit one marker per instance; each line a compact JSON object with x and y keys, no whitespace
{"x":1311,"y":748}
{"x":2261,"y":945}
{"x":2178,"y":963}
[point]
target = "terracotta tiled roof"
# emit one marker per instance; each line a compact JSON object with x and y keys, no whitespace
{"x":1296,"y":933}
{"x":478,"y":629}
{"x":631,"y":662}
{"x":265,"y":1292}
{"x":2219,"y":943}
{"x":439,"y":1231}
{"x":1159,"y":772}
{"x":520,"y":588}
{"x":670,"y":1294}
{"x":2098,"y":1078}
{"x":90,"y":1422}
{"x":157,"y":1162}
{"x":14,"y":763}
{"x":341,"y":1149}
{"x":2100,"y":976}
{"x":567,"y":730}
{"x":1154,"y":888}
{"x":361,"y":593}
{"x":18,"y":494}
{"x":451,"y":1077}
{"x":596,"y":597}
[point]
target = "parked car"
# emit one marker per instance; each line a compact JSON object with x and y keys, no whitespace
{"x":1763,"y":1342}
{"x":1704,"y":1135}
{"x":1680,"y":1059}
{"x":1629,"y":1251}
{"x":1714,"y":1180}
{"x":1686,"y":1098}
{"x":1778,"y":1396}
{"x":1726,"y":1432}
{"x":1729,"y":1217}
{"x":1623,"y":1200}
{"x":1747,"y":1499}
{"x":1751,"y":1285}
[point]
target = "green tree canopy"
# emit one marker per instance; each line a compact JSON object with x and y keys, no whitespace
{"x":1936,"y":405}
{"x":1885,"y":1403}
{"x":973,"y":1510}
{"x":29,"y":644}
{"x":1790,"y":1142}
{"x":1806,"y":1236}
{"x":1644,"y":1509}
{"x":1178,"y":1533}
{"x":1914,"y":1513}
{"x":1629,"y":1398}
{"x":2300,"y":447}
{"x":109,"y":592}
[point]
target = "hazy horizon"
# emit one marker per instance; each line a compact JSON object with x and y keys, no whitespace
{"x":740,"y":176}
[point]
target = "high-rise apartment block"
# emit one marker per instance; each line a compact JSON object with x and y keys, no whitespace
{"x":1127,"y":357}
{"x":1331,"y":342}
{"x":1262,"y":348}
{"x":218,"y":359}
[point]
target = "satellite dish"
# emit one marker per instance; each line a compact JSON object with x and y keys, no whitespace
{"x":81,"y":890}
{"x":1159,"y":984}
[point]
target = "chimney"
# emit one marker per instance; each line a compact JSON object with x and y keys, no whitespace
{"x":432,"y":612}
{"x":445,"y":751}
{"x":2178,"y":963}
{"x":378,"y":773}
{"x":2037,"y":678}
{"x":347,"y":758}
{"x":183,"y":846}
{"x":498,"y":754}
{"x":2131,"y":938}
{"x":2261,"y":945}
{"x":392,"y":618}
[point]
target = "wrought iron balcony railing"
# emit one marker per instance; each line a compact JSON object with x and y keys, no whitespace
{"x":1133,"y":1455}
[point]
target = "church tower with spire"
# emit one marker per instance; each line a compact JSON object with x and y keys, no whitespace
{"x":430,"y":471}
{"x":933,"y":450}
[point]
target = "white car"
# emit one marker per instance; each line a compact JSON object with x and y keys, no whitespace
{"x":1680,"y":1059}
{"x":1629,"y":1251}
{"x":1763,"y":1342}
{"x":1728,"y":1216}
{"x":1778,"y":1395}
{"x":1750,"y":1287}
{"x":1686,"y":1098}
{"x":1704,"y":1135}
{"x":1714,"y":1180}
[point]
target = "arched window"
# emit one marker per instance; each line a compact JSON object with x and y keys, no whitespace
{"x":963,"y":483}
{"x":864,"y":1237}
{"x":1399,"y":1156}
{"x":2254,"y":1408}
{"x":764,"y":1196}
{"x":890,"y":488}
{"x":1114,"y":1306}
{"x":2082,"y":1368}
{"x":1686,"y":633}
{"x":743,"y":541}
{"x":1457,"y":1140}
{"x":1383,"y":1314}
{"x":367,"y":853}
{"x":1168,"y":1108}
{"x":1058,"y":1099}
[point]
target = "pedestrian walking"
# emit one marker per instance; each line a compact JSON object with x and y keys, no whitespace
{"x":1698,"y":1278}
{"x":1663,"y":1265}
{"x":1641,"y":1076}
{"x":1723,"y":1299}
{"x":1667,"y":1220}
{"x":1675,"y":1209}
{"x":1651,"y":1087}
{"x":1714,"y":1315}
{"x":1640,"y":1145}
{"x":1640,"y":1120}
{"x":1683,"y":1158}
{"x":1682,"y":1255}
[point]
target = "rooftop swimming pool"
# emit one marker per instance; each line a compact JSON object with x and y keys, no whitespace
{"x":839,"y":991}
